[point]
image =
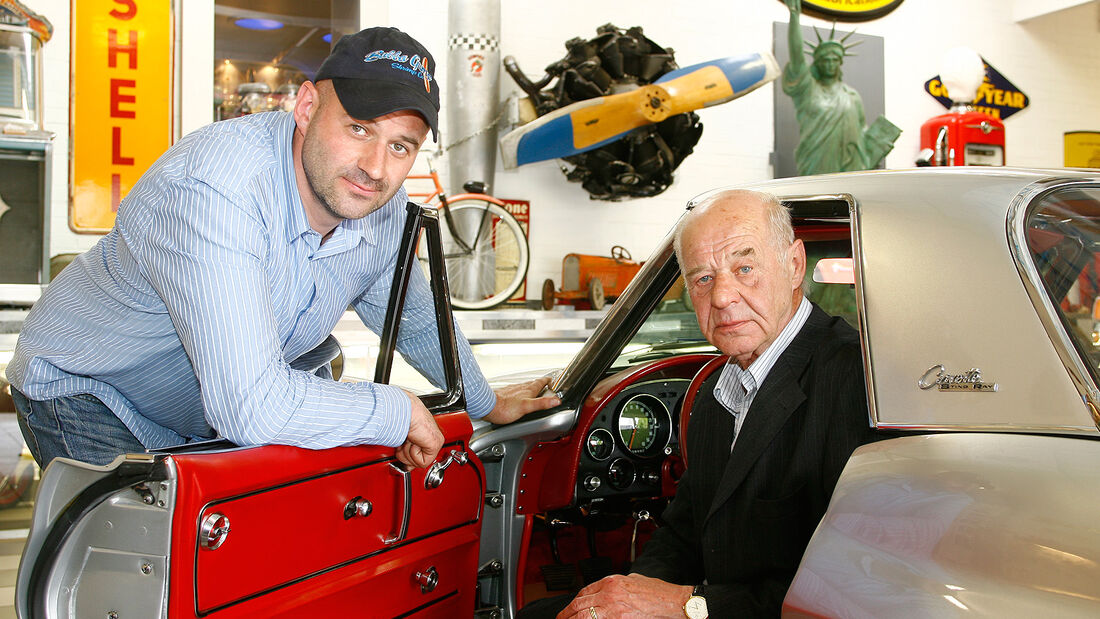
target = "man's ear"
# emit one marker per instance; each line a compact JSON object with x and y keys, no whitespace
{"x":797,"y":262}
{"x":307,"y":104}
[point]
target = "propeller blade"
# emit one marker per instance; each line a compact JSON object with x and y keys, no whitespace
{"x":592,"y":123}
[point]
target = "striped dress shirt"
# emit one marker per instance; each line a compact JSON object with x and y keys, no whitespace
{"x":736,"y":388}
{"x":184,"y":318}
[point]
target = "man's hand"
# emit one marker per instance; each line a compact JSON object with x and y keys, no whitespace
{"x":425,"y":439}
{"x":515,"y":401}
{"x":631,"y":596}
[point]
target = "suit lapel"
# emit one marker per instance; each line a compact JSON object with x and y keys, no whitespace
{"x":779,"y":396}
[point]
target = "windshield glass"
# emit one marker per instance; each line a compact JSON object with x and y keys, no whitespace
{"x":670,"y":330}
{"x":1063,"y":239}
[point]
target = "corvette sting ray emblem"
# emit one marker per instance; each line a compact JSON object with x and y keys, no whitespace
{"x":970,"y":380}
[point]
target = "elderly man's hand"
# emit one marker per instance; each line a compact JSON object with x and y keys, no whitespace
{"x":515,"y":401}
{"x":631,"y":596}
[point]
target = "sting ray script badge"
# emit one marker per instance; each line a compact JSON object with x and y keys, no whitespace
{"x":938,"y":377}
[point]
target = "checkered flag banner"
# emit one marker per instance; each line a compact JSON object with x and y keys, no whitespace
{"x":474,"y":42}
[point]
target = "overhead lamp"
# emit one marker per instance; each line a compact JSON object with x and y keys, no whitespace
{"x":257,"y":23}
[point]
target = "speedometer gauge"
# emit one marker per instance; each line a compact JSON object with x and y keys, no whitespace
{"x":644,"y":425}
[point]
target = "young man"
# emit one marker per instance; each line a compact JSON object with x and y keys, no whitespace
{"x":237,"y":252}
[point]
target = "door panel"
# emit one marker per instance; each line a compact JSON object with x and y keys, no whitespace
{"x":289,"y":546}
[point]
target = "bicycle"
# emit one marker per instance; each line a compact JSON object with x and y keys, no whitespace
{"x":484,"y":248}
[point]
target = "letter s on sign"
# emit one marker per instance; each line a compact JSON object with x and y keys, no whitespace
{"x":131,"y":9}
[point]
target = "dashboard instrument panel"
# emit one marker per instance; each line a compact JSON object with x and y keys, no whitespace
{"x":629,"y":440}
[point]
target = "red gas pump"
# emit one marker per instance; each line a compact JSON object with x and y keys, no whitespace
{"x":962,"y":136}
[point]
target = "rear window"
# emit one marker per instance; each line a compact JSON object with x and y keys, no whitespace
{"x":1063,"y":239}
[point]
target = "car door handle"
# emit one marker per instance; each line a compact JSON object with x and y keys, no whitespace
{"x":403,"y":527}
{"x":435,"y":473}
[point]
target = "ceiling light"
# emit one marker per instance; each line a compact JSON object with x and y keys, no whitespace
{"x":256,"y":23}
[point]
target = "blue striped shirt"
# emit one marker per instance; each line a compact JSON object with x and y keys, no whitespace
{"x":184,"y":318}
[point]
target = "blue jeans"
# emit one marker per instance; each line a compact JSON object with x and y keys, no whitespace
{"x":77,"y":426}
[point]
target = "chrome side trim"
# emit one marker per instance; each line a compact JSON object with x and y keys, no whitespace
{"x":533,"y":430}
{"x":1029,"y":275}
{"x":1000,"y":429}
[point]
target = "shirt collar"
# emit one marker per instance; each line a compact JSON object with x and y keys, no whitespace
{"x":737,"y":387}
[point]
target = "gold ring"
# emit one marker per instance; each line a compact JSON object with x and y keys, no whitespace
{"x":592,"y":611}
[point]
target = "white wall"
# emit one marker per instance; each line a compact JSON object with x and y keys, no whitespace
{"x":1052,"y":57}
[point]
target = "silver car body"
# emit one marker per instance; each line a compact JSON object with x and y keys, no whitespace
{"x":976,"y":523}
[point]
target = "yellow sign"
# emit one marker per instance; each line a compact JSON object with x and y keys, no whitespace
{"x":1083,"y":149}
{"x":849,"y":10}
{"x":121,"y":102}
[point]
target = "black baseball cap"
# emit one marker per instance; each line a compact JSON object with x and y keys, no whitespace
{"x":379,"y":71}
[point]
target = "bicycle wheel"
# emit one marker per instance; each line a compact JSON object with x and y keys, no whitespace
{"x":485,"y":252}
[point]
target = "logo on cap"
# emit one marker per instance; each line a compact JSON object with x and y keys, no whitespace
{"x":403,"y":62}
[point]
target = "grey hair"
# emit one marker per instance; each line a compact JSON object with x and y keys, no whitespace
{"x":780,"y":229}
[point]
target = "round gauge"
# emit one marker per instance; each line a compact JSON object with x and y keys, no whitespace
{"x":644,"y":425}
{"x":600,"y":444}
{"x":620,"y":473}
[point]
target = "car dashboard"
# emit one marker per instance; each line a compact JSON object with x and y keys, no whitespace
{"x":629,"y":442}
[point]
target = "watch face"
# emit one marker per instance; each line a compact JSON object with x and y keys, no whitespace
{"x":696,"y":608}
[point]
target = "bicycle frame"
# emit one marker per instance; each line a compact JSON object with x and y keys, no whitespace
{"x":438,"y":192}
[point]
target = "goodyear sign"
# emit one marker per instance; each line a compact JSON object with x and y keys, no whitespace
{"x":849,"y":10}
{"x":997,"y":96}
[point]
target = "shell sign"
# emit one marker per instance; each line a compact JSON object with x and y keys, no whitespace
{"x":121,"y":103}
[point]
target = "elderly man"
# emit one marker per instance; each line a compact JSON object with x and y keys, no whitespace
{"x":769,"y":435}
{"x":234,"y":254}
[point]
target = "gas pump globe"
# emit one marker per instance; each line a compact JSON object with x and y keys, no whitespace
{"x":962,"y":136}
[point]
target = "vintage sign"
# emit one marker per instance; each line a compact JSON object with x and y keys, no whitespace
{"x":997,"y":97}
{"x":121,"y":102}
{"x":521,"y":210}
{"x":849,"y":10}
{"x":1082,"y":149}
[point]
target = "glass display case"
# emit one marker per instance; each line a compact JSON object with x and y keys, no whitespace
{"x":265,"y":49}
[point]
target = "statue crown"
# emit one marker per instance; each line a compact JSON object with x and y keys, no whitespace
{"x":831,"y":45}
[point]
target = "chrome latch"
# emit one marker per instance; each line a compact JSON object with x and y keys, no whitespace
{"x":435,"y":473}
{"x":427,"y":579}
{"x":357,"y":507}
{"x":213,"y":531}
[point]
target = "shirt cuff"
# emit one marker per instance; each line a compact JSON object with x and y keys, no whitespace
{"x":394,"y":404}
{"x":480,"y":398}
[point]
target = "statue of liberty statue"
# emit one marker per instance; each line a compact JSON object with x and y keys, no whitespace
{"x":833,"y":136}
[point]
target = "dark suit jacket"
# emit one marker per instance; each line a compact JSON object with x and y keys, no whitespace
{"x":742,"y":520}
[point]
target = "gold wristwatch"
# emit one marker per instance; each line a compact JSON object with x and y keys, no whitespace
{"x":696,"y":606}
